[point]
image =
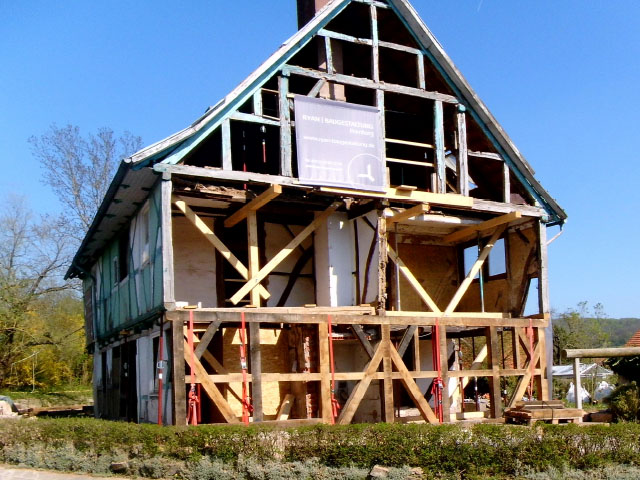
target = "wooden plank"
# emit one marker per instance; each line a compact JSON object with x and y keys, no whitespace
{"x":416,"y":350}
{"x":209,"y":387}
{"x":471,"y":231}
{"x":364,"y":341}
{"x":284,"y":253}
{"x":255,"y":357}
{"x":217,"y":243}
{"x":285,"y":407}
{"x":261,"y":200}
{"x":495,"y":393}
{"x":285,"y":127}
{"x":383,"y":258}
{"x":577,"y":381}
{"x":413,"y":281}
{"x":328,"y":34}
{"x":438,"y":135}
{"x":409,"y":196}
{"x":412,"y":388}
{"x":350,"y":407}
{"x":166,"y":232}
{"x":464,"y":286}
{"x":226,"y":145}
{"x":179,"y":400}
{"x":206,"y":338}
{"x":462,"y":160}
{"x":328,"y":54}
{"x":387,"y":382}
{"x":408,"y":213}
{"x":544,"y":305}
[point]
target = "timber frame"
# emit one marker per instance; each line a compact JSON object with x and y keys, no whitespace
{"x":402,"y":283}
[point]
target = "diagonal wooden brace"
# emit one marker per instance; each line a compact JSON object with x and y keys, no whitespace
{"x":284,"y":253}
{"x":413,"y":281}
{"x":217,"y":243}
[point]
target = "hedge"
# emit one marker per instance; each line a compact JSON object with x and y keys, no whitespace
{"x":476,"y":450}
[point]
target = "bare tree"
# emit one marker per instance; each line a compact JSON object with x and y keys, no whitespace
{"x":79,"y":169}
{"x":34,"y":253}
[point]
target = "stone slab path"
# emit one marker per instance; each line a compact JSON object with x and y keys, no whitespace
{"x":8,"y":472}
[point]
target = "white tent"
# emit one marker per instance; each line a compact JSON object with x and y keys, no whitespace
{"x":587,"y":370}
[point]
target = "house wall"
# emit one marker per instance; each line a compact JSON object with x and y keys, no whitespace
{"x":194,"y":264}
{"x":116,"y":303}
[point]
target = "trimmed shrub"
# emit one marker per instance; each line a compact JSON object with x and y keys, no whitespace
{"x":624,"y":403}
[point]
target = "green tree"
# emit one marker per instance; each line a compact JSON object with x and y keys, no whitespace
{"x":579,"y":328}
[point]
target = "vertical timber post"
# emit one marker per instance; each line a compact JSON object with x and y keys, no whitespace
{"x":254,"y":327}
{"x":494,"y":389}
{"x":389,"y":414}
{"x":177,"y":372}
{"x":167,"y":241}
{"x":325,"y":373}
{"x":382,"y":262}
{"x":577,"y":383}
{"x":463,"y":163}
{"x":444,"y":365}
{"x":438,"y":122}
{"x":285,"y":126}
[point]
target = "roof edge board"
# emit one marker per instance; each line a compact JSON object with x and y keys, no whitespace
{"x":478,"y":109}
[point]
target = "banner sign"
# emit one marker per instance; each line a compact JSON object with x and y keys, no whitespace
{"x":339,"y":144}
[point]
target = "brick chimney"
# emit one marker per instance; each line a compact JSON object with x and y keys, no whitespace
{"x":307,"y":10}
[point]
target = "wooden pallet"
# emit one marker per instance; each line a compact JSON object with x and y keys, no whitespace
{"x":552,"y":411}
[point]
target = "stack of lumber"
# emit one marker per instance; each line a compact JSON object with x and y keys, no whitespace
{"x":552,"y":411}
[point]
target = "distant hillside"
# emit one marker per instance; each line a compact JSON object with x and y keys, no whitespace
{"x":619,"y":330}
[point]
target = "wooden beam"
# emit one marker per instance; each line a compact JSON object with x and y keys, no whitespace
{"x":248,"y":117}
{"x":602,"y":352}
{"x":285,"y":407}
{"x":316,"y":88}
{"x":506,"y":183}
{"x":473,"y":230}
{"x":364,"y":341}
{"x":464,"y":286}
{"x":179,"y":400}
{"x":166,"y":232}
{"x":387,"y":382}
{"x":257,"y":104}
{"x":217,"y":243}
{"x":420,"y":64}
{"x":409,"y":335}
{"x":408,"y":196}
{"x":444,"y":373}
{"x":438,"y":122}
{"x":284,"y":253}
{"x":462,"y":159}
{"x":350,"y":407}
{"x":409,"y":213}
{"x":285,"y":127}
{"x":494,"y":387}
{"x":383,"y":258}
{"x":412,"y":388}
{"x":375,"y":44}
{"x":366,"y":83}
{"x":209,"y":387}
{"x":487,"y":155}
{"x":226,"y":145}
{"x":206,"y":338}
{"x":523,"y":382}
{"x":413,"y":281}
{"x":255,"y":356}
{"x":261,"y":200}
{"x":324,"y":360}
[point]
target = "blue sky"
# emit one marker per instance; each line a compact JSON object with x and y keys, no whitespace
{"x":563,"y":79}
